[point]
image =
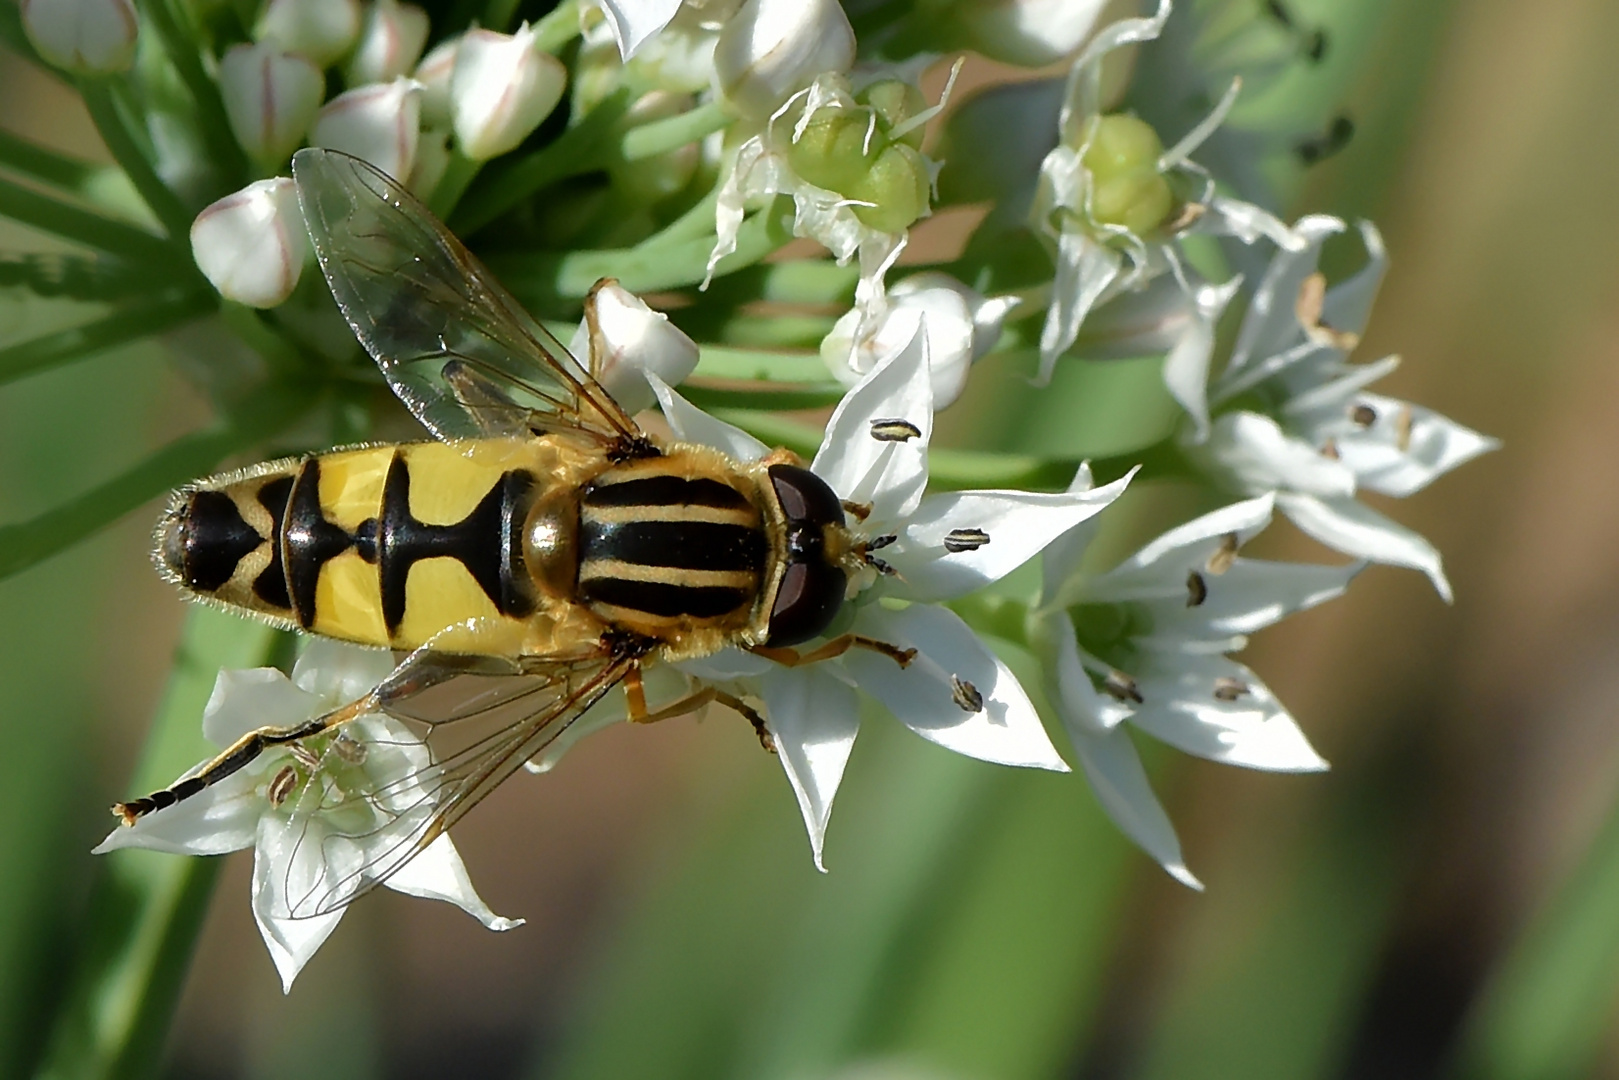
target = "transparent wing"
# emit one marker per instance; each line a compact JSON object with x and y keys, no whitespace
{"x":459,"y":351}
{"x":443,"y":731}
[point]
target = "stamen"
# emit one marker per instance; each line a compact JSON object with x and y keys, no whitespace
{"x":282,"y":785}
{"x":305,"y":756}
{"x":966,"y":695}
{"x":1329,"y":449}
{"x":881,"y":567}
{"x":1318,"y":148}
{"x":1197,"y":590}
{"x":894,"y":430}
{"x":1224,"y":555}
{"x":1121,"y":687}
{"x":959,"y":540}
{"x":877,"y":543}
{"x":1363,"y":415}
{"x":1402,"y":429}
{"x":1228,"y":689}
{"x":858,"y":511}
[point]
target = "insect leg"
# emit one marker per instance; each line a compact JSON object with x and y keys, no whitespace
{"x":235,"y":757}
{"x":694,"y":701}
{"x":832,"y":649}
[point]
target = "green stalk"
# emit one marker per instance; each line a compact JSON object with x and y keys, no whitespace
{"x":809,"y":396}
{"x":147,"y":909}
{"x":554,"y":30}
{"x":583,"y":148}
{"x":148,"y":316}
{"x":42,"y":163}
{"x":458,"y":175}
{"x":164,"y":203}
{"x":693,"y":224}
{"x":81,"y":226}
{"x":181,"y":45}
{"x":755,"y":365}
{"x":659,"y":136}
{"x":26,"y":543}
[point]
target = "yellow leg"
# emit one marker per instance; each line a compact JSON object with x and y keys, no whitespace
{"x":694,"y":701}
{"x":833,"y":649}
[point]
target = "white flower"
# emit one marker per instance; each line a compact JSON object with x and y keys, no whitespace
{"x":323,"y":820}
{"x":89,"y":37}
{"x":954,"y":692}
{"x":959,"y":323}
{"x":322,"y":30}
{"x":1321,"y":437}
{"x":771,"y":49}
{"x":434,"y":73}
{"x":624,"y":340}
{"x":502,"y":86}
{"x":391,"y":40}
{"x":1145,"y":643}
{"x":252,"y":245}
{"x":1114,"y":204}
{"x":633,"y":22}
{"x":271,"y":96}
{"x":1032,"y":33}
{"x":380,"y":123}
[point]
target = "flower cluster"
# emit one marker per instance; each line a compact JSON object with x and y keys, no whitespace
{"x":672,"y":149}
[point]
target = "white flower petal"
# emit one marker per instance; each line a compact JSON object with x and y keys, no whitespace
{"x":728,"y":664}
{"x":1186,"y":365}
{"x":1085,"y":270}
{"x":338,"y":672}
{"x":1250,"y":596}
{"x":1114,"y":770}
{"x":1408,"y":447}
{"x":814,"y":718}
{"x":1348,"y":304}
{"x":1251,"y":453}
{"x":606,"y":712}
{"x":634,"y":21}
{"x":246,"y":699}
{"x":220,"y":818}
{"x":1007,"y":730}
{"x":890,"y":475}
{"x":1272,"y":324}
{"x":1019,"y":525}
{"x":1063,"y":555}
{"x":1355,"y":529}
{"x":1081,"y":706}
{"x":294,"y":866}
{"x":438,"y":874}
{"x":1180,"y":707}
{"x":1160,"y":567}
{"x":694,"y":425}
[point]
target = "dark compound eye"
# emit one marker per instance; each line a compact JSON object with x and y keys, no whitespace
{"x":805,"y":496}
{"x":809,"y":598}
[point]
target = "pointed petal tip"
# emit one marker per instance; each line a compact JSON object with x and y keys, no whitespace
{"x":1180,"y":873}
{"x":499,"y":923}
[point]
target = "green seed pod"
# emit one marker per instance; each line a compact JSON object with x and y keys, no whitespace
{"x":1138,"y":199}
{"x":1121,"y":144}
{"x":898,"y":185}
{"x":832,"y":152}
{"x":895,"y":102}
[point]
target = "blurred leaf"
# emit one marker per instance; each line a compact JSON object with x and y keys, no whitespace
{"x":147,"y":908}
{"x":153,"y":315}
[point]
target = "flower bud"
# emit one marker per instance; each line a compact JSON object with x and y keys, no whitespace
{"x":322,"y":30}
{"x":434,"y":74}
{"x":379,"y":123}
{"x":771,"y":49}
{"x":1126,"y":187}
{"x":270,"y":98}
{"x":624,"y":340}
{"x":1030,"y":33}
{"x":252,"y":245}
{"x":391,"y":40}
{"x":88,"y":37}
{"x":501,"y":89}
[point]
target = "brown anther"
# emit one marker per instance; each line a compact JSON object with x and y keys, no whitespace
{"x":1121,"y":687}
{"x":304,"y":756}
{"x":894,"y":430}
{"x":1187,"y":217}
{"x":959,"y":540}
{"x":881,"y":567}
{"x":877,"y":543}
{"x":1197,"y":590}
{"x":1228,"y":689}
{"x":281,"y":786}
{"x":1329,"y":449}
{"x":858,"y":511}
{"x":1223,"y":556}
{"x":966,"y":695}
{"x":1312,"y":296}
{"x":1402,"y":429}
{"x":1363,"y":415}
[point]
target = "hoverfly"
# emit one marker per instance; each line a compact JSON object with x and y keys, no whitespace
{"x":544,"y":550}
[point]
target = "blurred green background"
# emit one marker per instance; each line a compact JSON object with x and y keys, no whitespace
{"x":1444,"y":903}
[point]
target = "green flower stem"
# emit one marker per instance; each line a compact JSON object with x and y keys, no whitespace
{"x":82,"y":226}
{"x":754,"y":365}
{"x":181,"y":46}
{"x":164,"y":203}
{"x":41,"y":163}
{"x":552,"y":32}
{"x":148,"y":316}
{"x":777,"y":330}
{"x":147,"y":909}
{"x":25,"y":543}
{"x":460,"y":172}
{"x":693,"y":224}
{"x":809,"y":281}
{"x":583,"y":148}
{"x":1548,"y":1009}
{"x":720,"y":398}
{"x":660,"y":136}
{"x":544,"y":279}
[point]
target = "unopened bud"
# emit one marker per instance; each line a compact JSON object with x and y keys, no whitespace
{"x":252,"y":245}
{"x":391,"y":39}
{"x":502,"y":87}
{"x":270,"y":98}
{"x":624,"y":340}
{"x":771,"y":49}
{"x":434,"y":74}
{"x":1030,"y":33}
{"x":322,"y":30}
{"x":88,"y":37}
{"x":379,"y":123}
{"x":1127,"y":188}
